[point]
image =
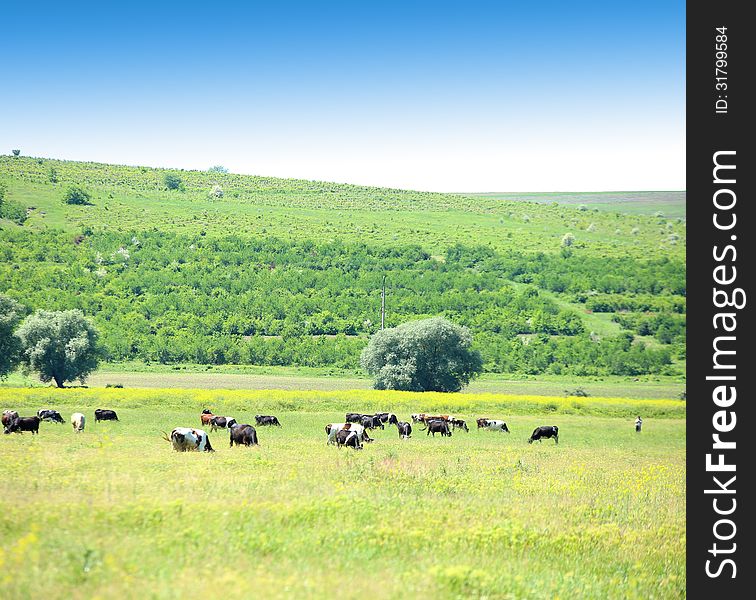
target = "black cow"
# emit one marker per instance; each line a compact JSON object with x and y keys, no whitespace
{"x":545,"y":431}
{"x":267,"y":420}
{"x":353,"y":417}
{"x":349,"y":439}
{"x":8,"y":417}
{"x":459,"y":423}
{"x":21,"y":424}
{"x":103,"y":414}
{"x":242,"y":435}
{"x":405,"y":429}
{"x":386,"y":417}
{"x":49,"y":415}
{"x":438,"y":426}
{"x":371,"y":422}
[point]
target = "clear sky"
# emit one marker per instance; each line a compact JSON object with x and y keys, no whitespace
{"x":448,"y":96}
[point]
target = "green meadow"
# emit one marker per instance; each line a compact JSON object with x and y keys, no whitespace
{"x":114,"y":512}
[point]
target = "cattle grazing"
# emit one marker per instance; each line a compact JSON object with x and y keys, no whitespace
{"x":186,"y":439}
{"x":545,"y":431}
{"x":438,"y":426}
{"x":21,"y":424}
{"x":371,"y":422}
{"x":205,"y":417}
{"x":481,"y":422}
{"x":387,"y":417}
{"x":494,"y":425}
{"x":267,"y":420}
{"x":242,"y":435}
{"x":424,"y":418}
{"x":459,"y":424}
{"x":353,"y":417}
{"x":9,"y":416}
{"x":416,"y":418}
{"x":349,"y":439}
{"x":405,"y":429}
{"x":333,"y":428}
{"x":217,"y":422}
{"x":78,"y":421}
{"x":103,"y":414}
{"x":50,"y":415}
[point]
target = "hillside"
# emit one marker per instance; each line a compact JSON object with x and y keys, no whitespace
{"x":287,"y":272}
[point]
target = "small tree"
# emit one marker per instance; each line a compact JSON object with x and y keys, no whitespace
{"x":567,"y":240}
{"x":76,"y":194}
{"x":16,"y":152}
{"x":217,"y":169}
{"x":60,"y":345}
{"x":427,"y":355}
{"x":172,"y":182}
{"x":216,"y":192}
{"x":10,"y":346}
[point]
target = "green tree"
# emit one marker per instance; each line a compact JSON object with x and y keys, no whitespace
{"x":60,"y":345}
{"x":426,"y":355}
{"x":10,"y":346}
{"x":76,"y":194}
{"x":217,"y":169}
{"x":172,"y":182}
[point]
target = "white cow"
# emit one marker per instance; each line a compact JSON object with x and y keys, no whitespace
{"x":78,"y":421}
{"x":333,"y":428}
{"x":188,"y":439}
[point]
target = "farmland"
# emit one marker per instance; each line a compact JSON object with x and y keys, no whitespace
{"x":114,"y":512}
{"x":287,"y":273}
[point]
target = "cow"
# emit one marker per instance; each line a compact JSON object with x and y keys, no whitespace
{"x":217,"y":422}
{"x":416,"y":418}
{"x":481,"y":422}
{"x":49,"y":415}
{"x":267,"y":420}
{"x":333,"y":428}
{"x":435,"y":426}
{"x":186,"y":439}
{"x":21,"y":424}
{"x":347,"y":437}
{"x":387,"y":417}
{"x":78,"y":421}
{"x":494,"y":425}
{"x":242,"y":435}
{"x":206,"y":416}
{"x":426,"y":417}
{"x":371,"y":422}
{"x":459,"y":424}
{"x":545,"y":431}
{"x":353,"y":417}
{"x":104,"y":414}
{"x":405,"y":429}
{"x":9,"y":416}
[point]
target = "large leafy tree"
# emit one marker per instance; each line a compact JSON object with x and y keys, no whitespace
{"x":11,"y":313}
{"x":60,"y":345}
{"x":427,"y":355}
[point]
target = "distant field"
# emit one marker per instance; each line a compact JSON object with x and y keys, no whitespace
{"x":669,"y":204}
{"x":241,"y":377}
{"x":113,"y":512}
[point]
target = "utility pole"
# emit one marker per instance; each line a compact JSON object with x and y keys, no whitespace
{"x":383,"y":304}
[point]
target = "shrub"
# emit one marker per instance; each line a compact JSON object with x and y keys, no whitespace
{"x":77,"y":195}
{"x":173,"y":182}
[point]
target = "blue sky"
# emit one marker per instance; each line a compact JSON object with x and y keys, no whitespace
{"x":462,"y":96}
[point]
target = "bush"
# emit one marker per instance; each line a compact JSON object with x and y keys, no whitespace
{"x":10,"y":346}
{"x":77,"y":195}
{"x":173,"y":182}
{"x":421,"y":356}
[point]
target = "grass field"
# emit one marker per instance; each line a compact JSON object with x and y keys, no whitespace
{"x":114,"y":512}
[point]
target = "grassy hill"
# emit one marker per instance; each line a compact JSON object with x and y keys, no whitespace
{"x":238,"y":269}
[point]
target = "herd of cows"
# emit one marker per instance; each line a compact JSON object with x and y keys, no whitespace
{"x":352,"y":433}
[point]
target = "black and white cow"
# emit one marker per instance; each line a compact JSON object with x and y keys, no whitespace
{"x":78,"y":422}
{"x":21,"y":424}
{"x":104,"y":414}
{"x":387,"y":417}
{"x":348,"y":438}
{"x":371,"y":422}
{"x":267,"y":420}
{"x":47,"y":414}
{"x":333,"y":428}
{"x":459,"y":424}
{"x":187,"y":439}
{"x":242,"y":435}
{"x":493,"y":425}
{"x":438,"y":426}
{"x":217,"y":422}
{"x":405,"y":429}
{"x":545,"y":431}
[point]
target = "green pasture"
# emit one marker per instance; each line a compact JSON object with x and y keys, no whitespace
{"x":113,"y":512}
